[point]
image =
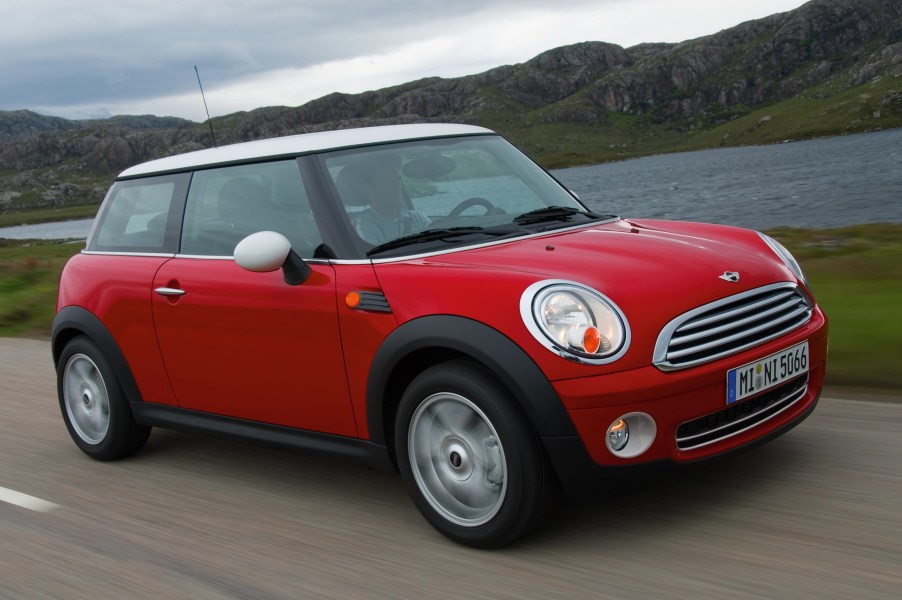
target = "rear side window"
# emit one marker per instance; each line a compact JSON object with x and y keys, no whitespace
{"x":141,"y":215}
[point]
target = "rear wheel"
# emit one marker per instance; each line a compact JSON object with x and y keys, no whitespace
{"x":474,"y":466}
{"x":94,"y":407}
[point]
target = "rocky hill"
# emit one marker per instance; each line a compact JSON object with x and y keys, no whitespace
{"x":829,"y":67}
{"x":21,"y":124}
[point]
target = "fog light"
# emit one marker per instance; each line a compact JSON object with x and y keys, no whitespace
{"x":618,"y":435}
{"x":631,"y":435}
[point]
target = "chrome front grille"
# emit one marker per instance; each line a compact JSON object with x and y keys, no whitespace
{"x":731,"y":325}
{"x":741,"y":416}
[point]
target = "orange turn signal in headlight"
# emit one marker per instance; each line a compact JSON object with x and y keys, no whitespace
{"x":591,"y":340}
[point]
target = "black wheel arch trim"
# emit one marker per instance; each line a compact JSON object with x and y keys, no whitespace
{"x":484,"y":345}
{"x":72,"y":321}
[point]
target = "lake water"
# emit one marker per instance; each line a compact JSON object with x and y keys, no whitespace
{"x":59,"y":230}
{"x":830,"y":182}
{"x":818,"y":183}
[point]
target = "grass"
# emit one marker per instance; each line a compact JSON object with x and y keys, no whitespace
{"x":29,"y":275}
{"x":828,"y":109}
{"x":48,"y":215}
{"x":856,"y":274}
{"x":823,"y":111}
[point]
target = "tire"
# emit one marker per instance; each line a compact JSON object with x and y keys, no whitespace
{"x":94,"y":407}
{"x":473,"y":464}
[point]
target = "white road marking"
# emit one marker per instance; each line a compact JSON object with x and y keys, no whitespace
{"x":26,"y":501}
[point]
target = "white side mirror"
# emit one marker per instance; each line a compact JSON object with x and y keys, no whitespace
{"x":262,"y":252}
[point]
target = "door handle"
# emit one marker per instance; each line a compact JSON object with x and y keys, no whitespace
{"x":168,"y":291}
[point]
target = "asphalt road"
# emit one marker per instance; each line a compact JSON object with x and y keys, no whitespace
{"x":814,"y":514}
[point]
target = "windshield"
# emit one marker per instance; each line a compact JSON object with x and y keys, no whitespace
{"x":427,"y":195}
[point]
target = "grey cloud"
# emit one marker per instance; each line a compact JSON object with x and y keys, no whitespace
{"x":58,"y":53}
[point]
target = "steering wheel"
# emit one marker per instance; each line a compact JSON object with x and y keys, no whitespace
{"x":490,"y":209}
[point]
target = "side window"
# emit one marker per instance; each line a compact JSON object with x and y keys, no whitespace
{"x":226,"y":205}
{"x":141,"y":215}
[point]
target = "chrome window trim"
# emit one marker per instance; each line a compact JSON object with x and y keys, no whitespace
{"x":313,"y":261}
{"x":205,"y":256}
{"x":128,"y":253}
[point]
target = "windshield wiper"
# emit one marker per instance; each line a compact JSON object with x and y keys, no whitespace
{"x":427,"y":235}
{"x":444,"y":233}
{"x":551,"y":213}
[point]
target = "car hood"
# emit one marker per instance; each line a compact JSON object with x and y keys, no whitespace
{"x":653,"y":271}
{"x":636,"y":262}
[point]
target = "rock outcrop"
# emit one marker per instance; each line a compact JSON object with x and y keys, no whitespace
{"x":823,"y":47}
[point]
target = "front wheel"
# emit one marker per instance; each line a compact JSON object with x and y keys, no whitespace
{"x":474,"y":466}
{"x":94,"y":407}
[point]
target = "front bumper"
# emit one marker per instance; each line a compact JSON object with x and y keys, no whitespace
{"x":584,"y":479}
{"x":693,"y":398}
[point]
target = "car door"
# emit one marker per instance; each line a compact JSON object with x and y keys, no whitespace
{"x":245,"y":344}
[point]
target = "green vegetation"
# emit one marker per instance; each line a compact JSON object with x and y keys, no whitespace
{"x":48,"y":215}
{"x":824,"y":111}
{"x":574,"y":132}
{"x":856,"y":274}
{"x":29,"y":275}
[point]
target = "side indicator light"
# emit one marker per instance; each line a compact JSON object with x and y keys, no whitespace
{"x":367,"y":301}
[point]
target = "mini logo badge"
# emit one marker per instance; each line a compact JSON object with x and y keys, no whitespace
{"x":731,"y":276}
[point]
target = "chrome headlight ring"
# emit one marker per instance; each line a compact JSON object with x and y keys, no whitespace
{"x":575,"y":321}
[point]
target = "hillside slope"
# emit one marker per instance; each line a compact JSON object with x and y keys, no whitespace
{"x":827,"y":68}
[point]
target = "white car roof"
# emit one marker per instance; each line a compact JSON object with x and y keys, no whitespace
{"x":294,"y":145}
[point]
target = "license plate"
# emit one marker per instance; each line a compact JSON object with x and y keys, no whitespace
{"x":763,"y":374}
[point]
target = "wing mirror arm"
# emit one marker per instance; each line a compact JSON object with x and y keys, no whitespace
{"x":295,"y":269}
{"x":266,"y":251}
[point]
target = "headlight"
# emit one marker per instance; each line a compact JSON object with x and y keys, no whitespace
{"x":574,"y":321}
{"x":784,"y":255}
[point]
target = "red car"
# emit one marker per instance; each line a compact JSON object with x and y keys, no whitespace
{"x":426,"y":298}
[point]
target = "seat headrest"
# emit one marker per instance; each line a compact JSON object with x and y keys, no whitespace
{"x":353,"y":185}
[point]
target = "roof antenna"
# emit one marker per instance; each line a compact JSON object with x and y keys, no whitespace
{"x":209,"y":120}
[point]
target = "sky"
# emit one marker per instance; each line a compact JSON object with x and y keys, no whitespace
{"x":96,"y":58}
